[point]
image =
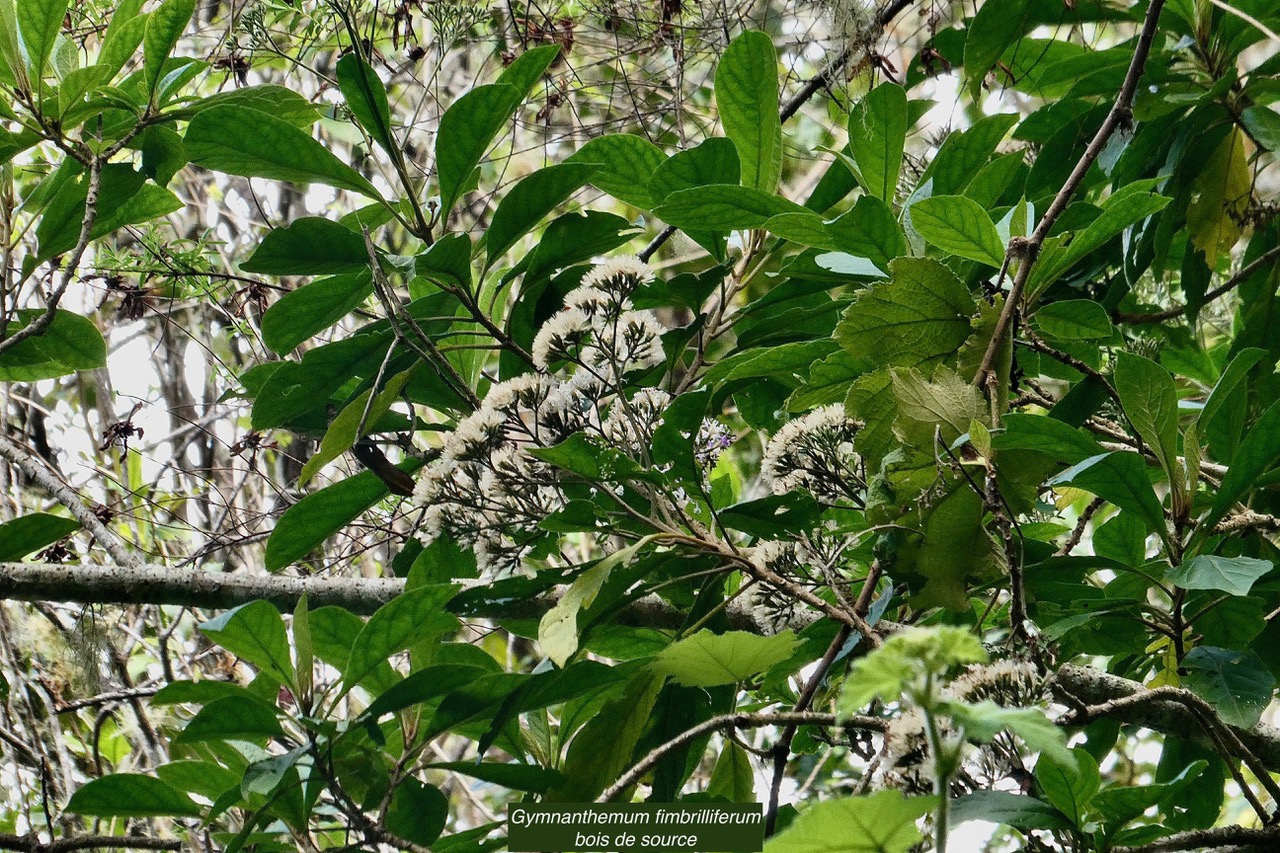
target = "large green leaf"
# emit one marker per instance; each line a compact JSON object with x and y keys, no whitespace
{"x":877,"y":132}
{"x":70,"y":343}
{"x":883,"y":822}
{"x":312,"y":308}
{"x":407,"y":620}
{"x":1150,"y":401}
{"x":1237,"y":684}
{"x":712,"y":161}
{"x":1075,"y":320}
{"x":319,"y":515}
{"x":254,"y":632}
{"x":527,"y":202}
{"x":709,"y":660}
{"x":625,"y":165}
{"x":39,"y":22}
{"x":959,"y":226}
{"x":232,"y":718}
{"x":1259,"y":451}
{"x":29,"y":533}
{"x":130,"y":795}
{"x":722,"y":207}
{"x":242,"y":141}
{"x":366,"y":97}
{"x":1008,"y":809}
{"x":311,"y":245}
{"x":921,"y":314}
{"x":747,"y":98}
{"x":164,"y":28}
{"x":1119,"y":477}
{"x":124,"y":198}
{"x":1232,"y":575}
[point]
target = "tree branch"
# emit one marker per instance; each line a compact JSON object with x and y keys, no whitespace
{"x":32,"y":844}
{"x":1244,"y":274}
{"x":1028,"y":250}
{"x":1240,"y":837}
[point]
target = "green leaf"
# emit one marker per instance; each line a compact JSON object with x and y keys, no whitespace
{"x":284,"y":104}
{"x":29,"y":533}
{"x":1237,"y":684}
{"x":1007,"y":809}
{"x":1069,"y":786}
{"x":1263,"y":124}
{"x":39,"y":21}
{"x":920,"y":315}
{"x":467,"y":129}
{"x":963,"y":155}
{"x":319,"y":515}
{"x":366,"y":97}
{"x":417,"y":812}
{"x":746,"y":90}
{"x":722,"y":207}
{"x":232,"y":718}
{"x":70,"y":343}
{"x":517,"y":777}
{"x":312,"y":308}
{"x":403,"y":622}
{"x":1221,"y":421}
{"x":310,"y":245}
{"x":124,"y":198}
{"x":527,"y":202}
{"x":713,"y":161}
{"x":877,"y":132}
{"x":883,"y":822}
{"x":945,"y":404}
{"x":956,"y":545}
{"x":1150,"y":401}
{"x":958,"y":226}
{"x":242,"y":141}
{"x":164,"y":28}
{"x":605,"y":746}
{"x":1232,"y":575}
{"x":163,"y":154}
{"x":254,"y":632}
{"x":558,"y":629}
{"x":998,"y":24}
{"x":984,"y":720}
{"x":1120,"y":478}
{"x":1259,"y":451}
{"x":1075,"y":320}
{"x":1043,"y":434}
{"x":342,"y":435}
{"x":733,"y":776}
{"x":706,"y":659}
{"x":130,"y":795}
{"x":625,"y":164}
{"x":869,"y":230}
{"x":1221,"y":193}
{"x":903,"y":659}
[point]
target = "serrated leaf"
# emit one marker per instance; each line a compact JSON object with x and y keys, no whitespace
{"x":1150,"y":401}
{"x":746,"y":88}
{"x":255,"y":633}
{"x":1232,"y":575}
{"x":130,"y":795}
{"x":944,"y":403}
{"x":959,"y":226}
{"x":883,"y":822}
{"x":709,"y":660}
{"x":241,"y":141}
{"x":921,"y":314}
{"x":904,"y":659}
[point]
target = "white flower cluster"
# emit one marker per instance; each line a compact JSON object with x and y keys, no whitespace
{"x":815,"y":453}
{"x":485,"y":490}
{"x":598,"y":330}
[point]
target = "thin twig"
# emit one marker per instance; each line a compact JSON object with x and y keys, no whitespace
{"x":1120,"y":114}
{"x":1244,"y":274}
